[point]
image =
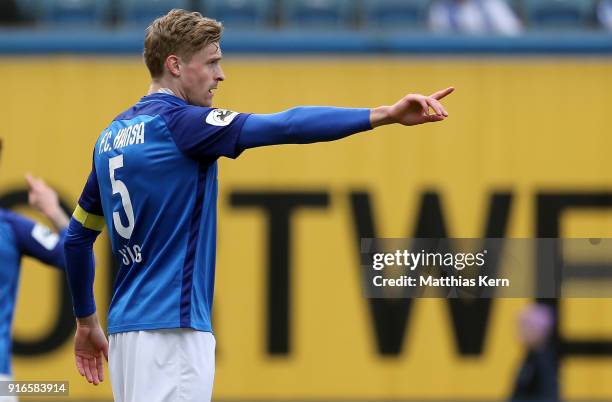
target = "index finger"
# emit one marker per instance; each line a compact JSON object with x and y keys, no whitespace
{"x":441,"y":94}
{"x":31,"y":180}
{"x":38,"y":183}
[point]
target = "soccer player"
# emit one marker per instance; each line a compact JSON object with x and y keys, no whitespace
{"x":19,"y":236}
{"x":154,"y":185}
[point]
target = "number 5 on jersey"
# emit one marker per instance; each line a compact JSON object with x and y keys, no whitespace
{"x":119,"y":187}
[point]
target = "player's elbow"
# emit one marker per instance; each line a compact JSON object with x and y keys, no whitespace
{"x":293,"y":125}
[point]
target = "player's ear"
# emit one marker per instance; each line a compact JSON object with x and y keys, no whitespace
{"x":173,"y":64}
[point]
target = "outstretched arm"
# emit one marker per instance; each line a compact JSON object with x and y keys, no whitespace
{"x":303,"y":125}
{"x":204,"y":133}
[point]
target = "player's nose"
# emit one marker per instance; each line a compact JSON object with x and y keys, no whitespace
{"x":220,"y":75}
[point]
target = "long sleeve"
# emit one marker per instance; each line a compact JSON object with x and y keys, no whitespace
{"x":38,"y":241}
{"x":84,"y":227}
{"x":302,"y":125}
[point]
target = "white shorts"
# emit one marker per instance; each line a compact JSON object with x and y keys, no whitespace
{"x":169,"y":365}
{"x":4,"y":377}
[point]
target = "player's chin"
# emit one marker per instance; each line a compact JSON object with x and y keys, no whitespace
{"x":206,"y":101}
{"x":202,"y":99}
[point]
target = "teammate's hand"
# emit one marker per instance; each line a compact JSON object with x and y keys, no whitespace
{"x":45,"y":200}
{"x":412,"y":109}
{"x":41,"y":196}
{"x":90,"y":347}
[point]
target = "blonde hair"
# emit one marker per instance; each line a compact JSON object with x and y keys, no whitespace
{"x":179,"y":32}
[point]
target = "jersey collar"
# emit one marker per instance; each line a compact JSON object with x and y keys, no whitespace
{"x":167,"y":97}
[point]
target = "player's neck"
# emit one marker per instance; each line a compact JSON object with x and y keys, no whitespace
{"x":160,"y":87}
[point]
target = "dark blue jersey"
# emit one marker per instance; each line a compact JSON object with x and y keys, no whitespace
{"x":20,"y":236}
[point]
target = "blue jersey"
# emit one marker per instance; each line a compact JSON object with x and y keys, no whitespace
{"x":20,"y":236}
{"x":154,"y":185}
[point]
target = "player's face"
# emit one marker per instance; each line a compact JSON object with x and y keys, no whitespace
{"x":201,"y":75}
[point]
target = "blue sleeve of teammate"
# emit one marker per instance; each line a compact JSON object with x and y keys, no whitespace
{"x":85,"y":225}
{"x":204,"y":133}
{"x":38,"y":241}
{"x":302,"y":125}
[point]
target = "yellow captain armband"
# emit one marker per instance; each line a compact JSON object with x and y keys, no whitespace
{"x":90,"y":221}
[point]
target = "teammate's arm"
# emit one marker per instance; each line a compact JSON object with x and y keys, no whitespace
{"x":44,"y":199}
{"x":90,"y":344}
{"x":34,"y":239}
{"x":38,"y":241}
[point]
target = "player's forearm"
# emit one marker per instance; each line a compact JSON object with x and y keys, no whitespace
{"x":80,"y":267}
{"x":58,"y":218}
{"x":303,"y":125}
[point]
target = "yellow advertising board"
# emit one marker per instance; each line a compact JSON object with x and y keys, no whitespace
{"x":527,"y":135}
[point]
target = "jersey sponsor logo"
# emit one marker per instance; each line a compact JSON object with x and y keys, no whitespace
{"x":220,"y":117}
{"x":45,"y":237}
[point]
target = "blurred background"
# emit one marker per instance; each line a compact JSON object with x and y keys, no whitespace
{"x":525,"y":153}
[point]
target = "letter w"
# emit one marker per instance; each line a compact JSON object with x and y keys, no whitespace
{"x":390,"y":316}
